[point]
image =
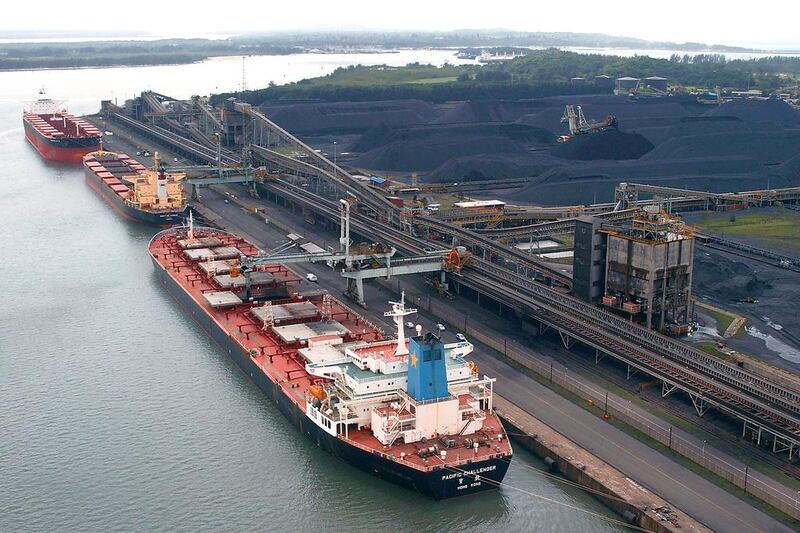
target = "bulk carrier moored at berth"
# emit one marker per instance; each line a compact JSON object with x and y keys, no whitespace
{"x":57,"y":135}
{"x":412,"y":411}
{"x":140,"y":194}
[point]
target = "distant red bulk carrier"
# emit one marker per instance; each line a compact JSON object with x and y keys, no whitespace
{"x":57,"y":135}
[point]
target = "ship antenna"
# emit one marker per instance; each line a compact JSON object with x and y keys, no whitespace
{"x":399,"y":312}
{"x":191,"y":225}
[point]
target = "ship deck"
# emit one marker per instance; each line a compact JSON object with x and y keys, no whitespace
{"x":117,"y":165}
{"x":276,"y":358}
{"x":458,"y":455}
{"x":62,"y":125}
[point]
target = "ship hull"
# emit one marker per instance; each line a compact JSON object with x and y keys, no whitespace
{"x":162,"y":220}
{"x":480,"y":476}
{"x":64,"y":150}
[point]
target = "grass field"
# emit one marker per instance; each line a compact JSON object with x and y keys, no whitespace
{"x":384,"y":75}
{"x":711,"y":349}
{"x":723,"y":320}
{"x":779,"y":229}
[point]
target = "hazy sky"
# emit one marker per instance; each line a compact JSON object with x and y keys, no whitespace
{"x":774,"y":21}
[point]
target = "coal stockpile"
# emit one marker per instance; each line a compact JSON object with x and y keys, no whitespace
{"x":609,"y":144}
{"x":726,"y":281}
{"x":429,"y":147}
{"x":383,"y":134}
{"x":772,"y":146}
{"x":790,"y":169}
{"x":673,"y":141}
{"x":490,"y":111}
{"x":328,"y":117}
{"x":427,"y":154}
{"x":491,"y":166}
{"x":631,"y":114}
{"x":590,"y":182}
{"x":758,"y":110}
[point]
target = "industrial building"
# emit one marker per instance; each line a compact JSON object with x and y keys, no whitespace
{"x":642,"y":271}
{"x":649,"y":270}
{"x":656,"y":83}
{"x":589,"y":260}
{"x":577,"y":82}
{"x":603,"y":82}
{"x":625,"y":85}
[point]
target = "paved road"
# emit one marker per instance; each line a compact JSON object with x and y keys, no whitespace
{"x":701,"y":499}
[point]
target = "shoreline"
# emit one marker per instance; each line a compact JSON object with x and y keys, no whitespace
{"x":210,"y":58}
{"x":605,"y":50}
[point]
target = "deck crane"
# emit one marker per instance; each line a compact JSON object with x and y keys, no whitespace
{"x":578,"y":125}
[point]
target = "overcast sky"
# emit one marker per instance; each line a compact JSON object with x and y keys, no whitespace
{"x":771,"y":22}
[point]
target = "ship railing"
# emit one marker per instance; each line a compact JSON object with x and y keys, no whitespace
{"x":397,"y":423}
{"x":405,"y":396}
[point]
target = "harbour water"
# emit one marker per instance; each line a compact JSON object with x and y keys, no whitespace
{"x":118,"y":414}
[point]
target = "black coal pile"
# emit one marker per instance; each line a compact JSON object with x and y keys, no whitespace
{"x":490,"y":111}
{"x":609,"y":144}
{"x":768,"y":145}
{"x":428,"y":147}
{"x":429,"y":153}
{"x":791,"y":169}
{"x":383,"y":134}
{"x":327,"y":117}
{"x":631,"y":115}
{"x":491,"y":166}
{"x":758,"y":110}
{"x":672,"y":141}
{"x":726,"y":281}
{"x":590,"y":182}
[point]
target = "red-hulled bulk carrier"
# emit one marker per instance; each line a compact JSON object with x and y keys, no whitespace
{"x":57,"y":135}
{"x":412,"y":411}
{"x":137,"y":193}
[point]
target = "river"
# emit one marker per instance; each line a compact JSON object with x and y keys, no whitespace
{"x":118,"y":414}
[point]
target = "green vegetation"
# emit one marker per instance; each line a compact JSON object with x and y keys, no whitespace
{"x":386,"y":75}
{"x":442,"y":91}
{"x":703,"y":70}
{"x":723,"y":319}
{"x":539,"y":73}
{"x":780,"y":230}
{"x":711,"y":349}
{"x":112,"y":53}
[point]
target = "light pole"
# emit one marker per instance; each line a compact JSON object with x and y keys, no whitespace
{"x":703,"y":452}
{"x":334,"y":159}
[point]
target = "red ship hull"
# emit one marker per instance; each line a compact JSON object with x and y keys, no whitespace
{"x":60,"y":150}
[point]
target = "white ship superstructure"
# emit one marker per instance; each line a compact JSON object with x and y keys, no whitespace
{"x":405,"y":390}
